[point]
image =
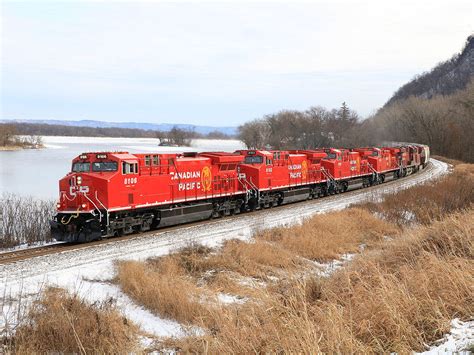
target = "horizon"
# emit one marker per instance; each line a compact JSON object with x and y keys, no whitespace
{"x":163,"y":63}
{"x":33,"y":120}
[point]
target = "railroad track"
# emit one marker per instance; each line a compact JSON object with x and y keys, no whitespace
{"x":15,"y":255}
{"x":24,"y":254}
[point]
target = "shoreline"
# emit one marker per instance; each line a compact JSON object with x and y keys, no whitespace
{"x":12,"y":148}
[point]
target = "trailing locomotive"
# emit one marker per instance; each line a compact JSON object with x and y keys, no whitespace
{"x":115,"y":193}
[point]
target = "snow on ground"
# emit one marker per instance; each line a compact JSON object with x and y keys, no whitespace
{"x":148,"y":322}
{"x":73,"y":269}
{"x":327,"y":269}
{"x":225,"y":298}
{"x":460,"y":339}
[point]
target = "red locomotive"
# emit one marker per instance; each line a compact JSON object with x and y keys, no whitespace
{"x":116,"y":193}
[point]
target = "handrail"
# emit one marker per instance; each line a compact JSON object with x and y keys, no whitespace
{"x":105,"y":208}
{"x":97,"y":208}
{"x":372,"y":168}
{"x":253,"y":187}
{"x":327,"y":174}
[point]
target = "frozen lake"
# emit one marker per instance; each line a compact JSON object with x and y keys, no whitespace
{"x":36,"y":172}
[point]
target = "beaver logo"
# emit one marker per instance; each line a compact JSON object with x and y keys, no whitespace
{"x":206,"y":178}
{"x":304,"y":169}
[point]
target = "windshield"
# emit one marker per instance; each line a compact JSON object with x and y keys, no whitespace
{"x":81,"y":167}
{"x":249,"y":159}
{"x":104,"y":166}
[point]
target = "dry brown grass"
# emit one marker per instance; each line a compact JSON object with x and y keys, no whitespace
{"x":429,"y":202}
{"x":255,"y":259}
{"x":163,"y":288}
{"x":405,"y":295}
{"x":398,"y":295}
{"x":395,"y":299}
{"x":326,"y":236}
{"x":453,"y":162}
{"x":63,"y":323}
{"x":183,"y":285}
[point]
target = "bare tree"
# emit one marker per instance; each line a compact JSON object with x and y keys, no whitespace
{"x":254,"y":134}
{"x":7,"y":134}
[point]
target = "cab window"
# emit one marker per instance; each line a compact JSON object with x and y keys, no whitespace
{"x":129,"y":168}
{"x":104,"y":166}
{"x":81,"y":167}
{"x":252,"y":159}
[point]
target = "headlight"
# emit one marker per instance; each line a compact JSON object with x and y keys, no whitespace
{"x":84,"y":205}
{"x":79,"y":180}
{"x":58,"y":205}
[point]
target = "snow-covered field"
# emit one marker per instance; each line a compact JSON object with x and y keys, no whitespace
{"x":88,"y":270}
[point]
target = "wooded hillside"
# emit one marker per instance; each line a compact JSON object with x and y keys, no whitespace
{"x":444,"y":79}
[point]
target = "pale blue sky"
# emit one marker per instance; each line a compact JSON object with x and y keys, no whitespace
{"x":216,"y":63}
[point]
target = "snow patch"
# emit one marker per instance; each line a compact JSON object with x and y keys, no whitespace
{"x":225,"y":298}
{"x":146,"y":320}
{"x":459,"y":340}
{"x":327,"y":269}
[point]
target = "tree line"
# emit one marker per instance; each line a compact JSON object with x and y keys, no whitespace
{"x":9,"y":137}
{"x":176,"y":136}
{"x":313,"y":128}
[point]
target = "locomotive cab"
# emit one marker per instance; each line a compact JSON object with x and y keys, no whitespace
{"x":83,"y":197}
{"x":256,"y":165}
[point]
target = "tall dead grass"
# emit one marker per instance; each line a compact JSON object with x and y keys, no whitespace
{"x":163,"y":289}
{"x":398,"y":294}
{"x":395,"y":299}
{"x":326,"y":236}
{"x":453,"y":162}
{"x":183,"y":285}
{"x":404,"y":296}
{"x":423,"y":204}
{"x":63,"y":323}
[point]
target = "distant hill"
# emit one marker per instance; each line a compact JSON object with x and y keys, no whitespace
{"x":444,"y":79}
{"x":164,"y":127}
